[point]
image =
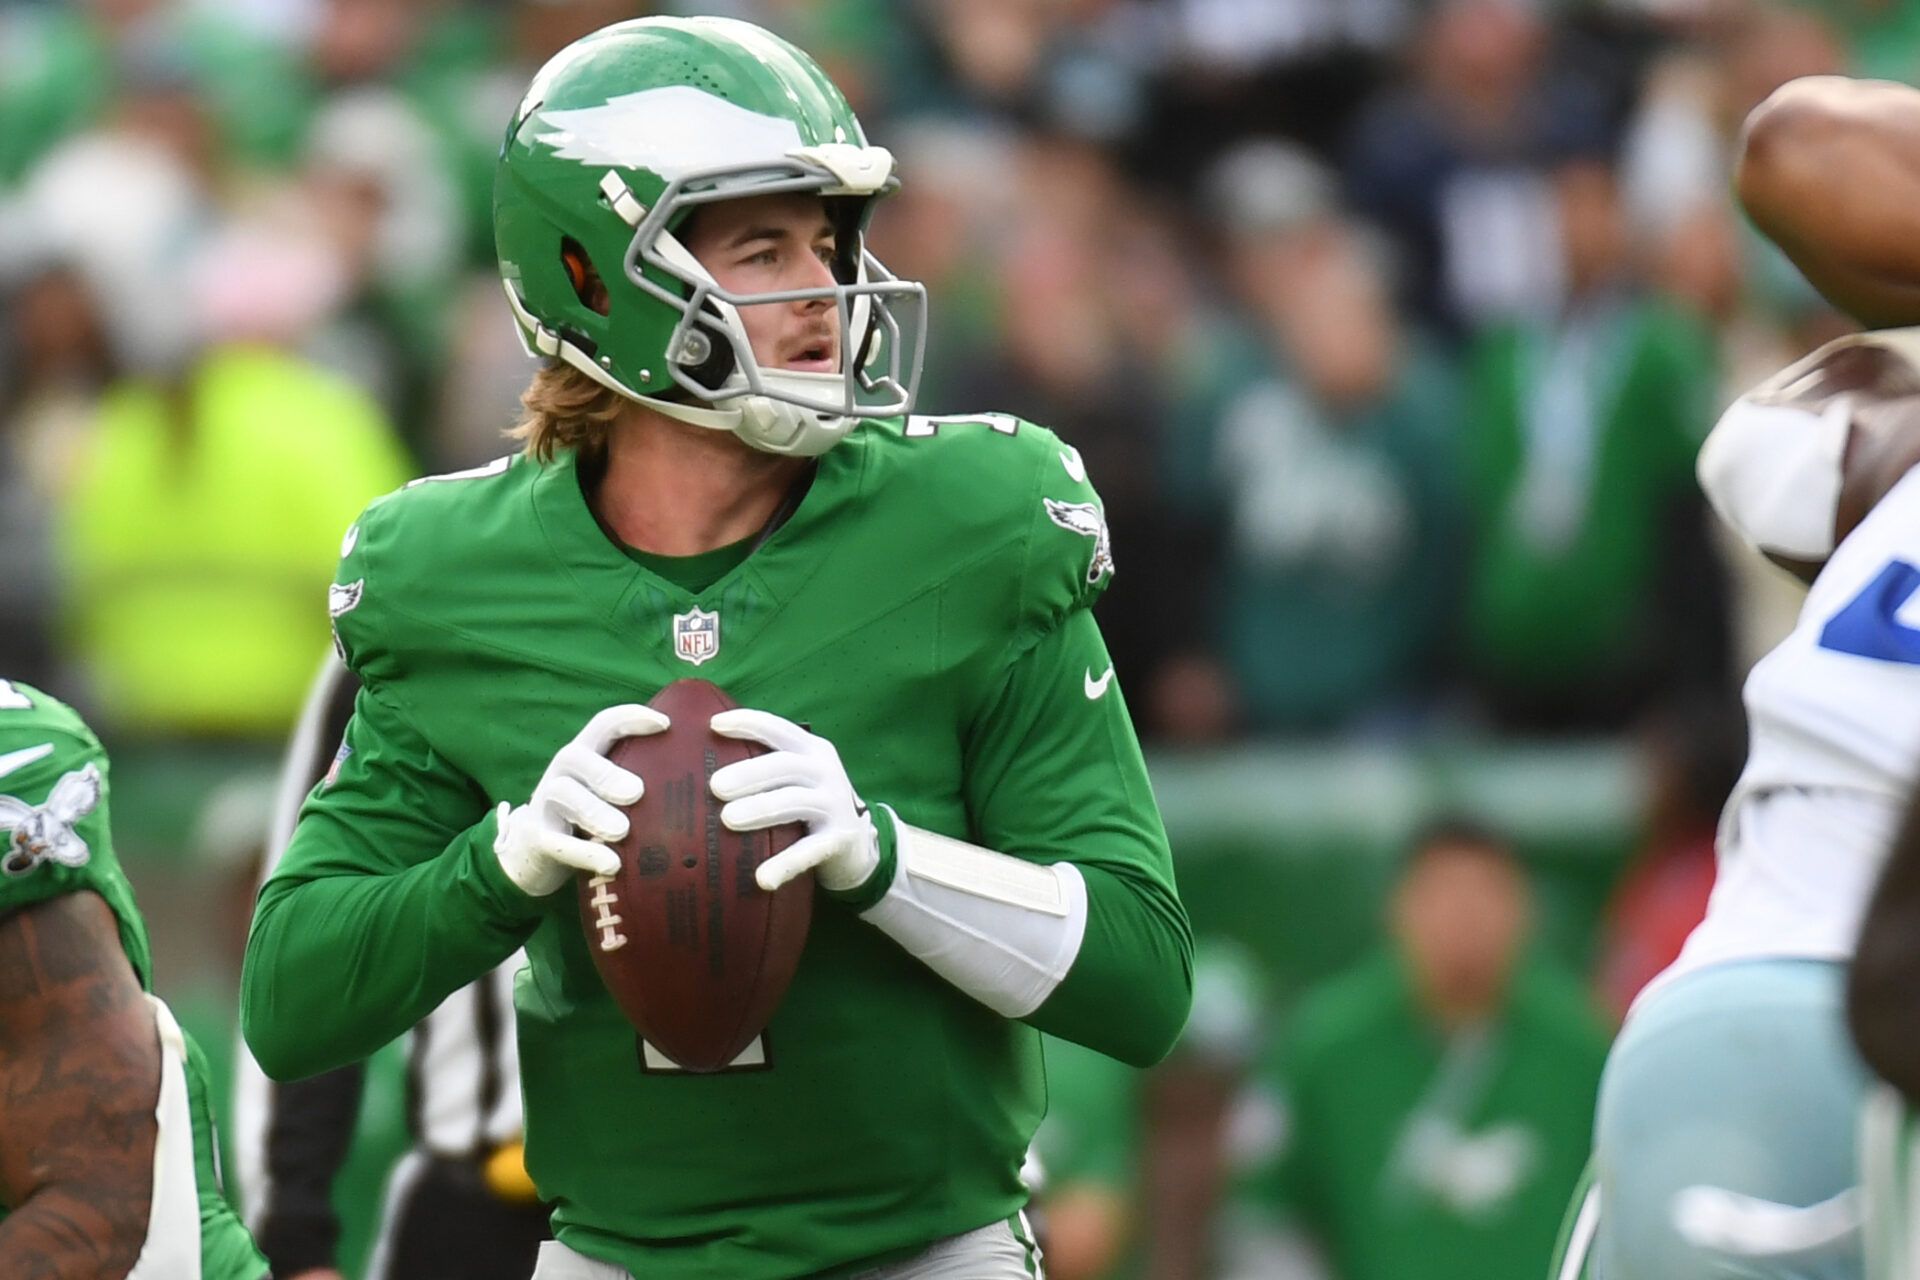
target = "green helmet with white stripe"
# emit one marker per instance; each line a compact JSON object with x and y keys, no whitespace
{"x":620,"y":137}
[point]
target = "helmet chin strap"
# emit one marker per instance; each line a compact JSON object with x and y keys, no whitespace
{"x":766,"y":423}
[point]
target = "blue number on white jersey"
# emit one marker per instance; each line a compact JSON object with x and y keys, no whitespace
{"x":1883,"y":621}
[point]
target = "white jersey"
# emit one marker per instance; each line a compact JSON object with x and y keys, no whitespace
{"x":1834,"y":729}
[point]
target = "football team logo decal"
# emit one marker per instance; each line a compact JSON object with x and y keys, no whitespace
{"x":696,"y":635}
{"x":344,"y":598}
{"x":1089,"y":521}
{"x":44,"y":833}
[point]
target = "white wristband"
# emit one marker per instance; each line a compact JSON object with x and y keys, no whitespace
{"x":1773,"y":472}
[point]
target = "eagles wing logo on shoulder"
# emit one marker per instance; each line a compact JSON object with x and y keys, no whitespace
{"x":44,"y":833}
{"x":1089,"y":521}
{"x":343,"y":598}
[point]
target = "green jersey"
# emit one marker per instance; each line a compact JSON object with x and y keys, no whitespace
{"x":925,"y":608}
{"x":56,"y":839}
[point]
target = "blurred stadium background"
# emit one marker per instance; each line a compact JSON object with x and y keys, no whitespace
{"x":1388,"y":329}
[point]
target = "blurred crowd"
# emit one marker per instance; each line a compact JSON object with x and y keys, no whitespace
{"x":1388,"y":327}
{"x":1388,"y":330}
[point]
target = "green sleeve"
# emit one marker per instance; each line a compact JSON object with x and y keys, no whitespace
{"x":388,"y":899}
{"x":1054,"y":773}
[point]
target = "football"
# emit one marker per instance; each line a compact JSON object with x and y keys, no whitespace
{"x":695,"y":953}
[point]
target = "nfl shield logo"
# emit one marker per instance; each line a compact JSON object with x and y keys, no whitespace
{"x":696,"y":635}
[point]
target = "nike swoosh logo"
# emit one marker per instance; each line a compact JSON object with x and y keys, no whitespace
{"x":1075,"y":465}
{"x":22,"y":758}
{"x":1098,"y":688}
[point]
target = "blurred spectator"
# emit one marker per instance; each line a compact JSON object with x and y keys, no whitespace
{"x":1454,"y":164}
{"x":84,"y":304}
{"x":1592,"y":587}
{"x":74,"y":66}
{"x":1439,"y":1098}
{"x":199,"y":484}
{"x":378,"y":191}
{"x":483,"y":367}
{"x":1694,"y":753}
{"x":1325,"y":444}
{"x":944,"y":228}
{"x":59,"y":356}
{"x":1186,"y":1159}
{"x":1063,"y":360}
{"x":1087,"y":1155}
{"x":1076,"y":69}
{"x":1223,"y":72}
{"x":1885,"y":37}
{"x":1133,"y":1164}
{"x":1676,"y":172}
{"x":201,"y":535}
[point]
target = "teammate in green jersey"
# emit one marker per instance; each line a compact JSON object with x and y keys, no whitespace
{"x":106,"y":1136}
{"x":721,"y":478}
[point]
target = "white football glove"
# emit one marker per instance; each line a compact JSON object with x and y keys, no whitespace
{"x":801,"y":780}
{"x":538,"y":845}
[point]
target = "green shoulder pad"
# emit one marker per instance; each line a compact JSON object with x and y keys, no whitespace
{"x":1003,"y":479}
{"x":407,"y":553}
{"x":55,"y":835}
{"x":52,"y":793}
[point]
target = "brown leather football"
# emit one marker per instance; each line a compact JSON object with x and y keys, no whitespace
{"x":695,"y":953}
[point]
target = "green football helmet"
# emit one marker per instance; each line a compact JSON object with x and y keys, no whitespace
{"x":620,"y":137}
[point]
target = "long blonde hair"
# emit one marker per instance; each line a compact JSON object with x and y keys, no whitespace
{"x":562,"y":408}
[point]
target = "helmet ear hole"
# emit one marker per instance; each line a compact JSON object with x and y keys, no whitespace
{"x":705,"y":355}
{"x":586,"y":281}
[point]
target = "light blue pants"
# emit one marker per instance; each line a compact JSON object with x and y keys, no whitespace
{"x":1738,"y":1077}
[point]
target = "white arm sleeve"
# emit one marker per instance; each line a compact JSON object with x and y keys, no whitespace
{"x":1003,"y":930}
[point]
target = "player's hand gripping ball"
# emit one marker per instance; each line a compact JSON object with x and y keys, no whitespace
{"x":693,"y":950}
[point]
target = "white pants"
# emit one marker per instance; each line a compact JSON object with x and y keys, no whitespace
{"x":997,"y":1251}
{"x":172,"y":1249}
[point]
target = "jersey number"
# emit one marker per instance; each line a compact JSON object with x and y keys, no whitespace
{"x":754,"y":1057}
{"x":11,"y":699}
{"x":922,"y":425}
{"x":493,"y":468}
{"x":1871,"y":625}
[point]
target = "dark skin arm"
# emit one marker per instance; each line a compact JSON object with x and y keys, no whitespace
{"x":1829,"y":169}
{"x":1883,"y":998}
{"x":79,"y":1080}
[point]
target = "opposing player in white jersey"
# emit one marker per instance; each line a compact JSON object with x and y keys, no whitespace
{"x":1883,"y":1007}
{"x":1724,"y":1137}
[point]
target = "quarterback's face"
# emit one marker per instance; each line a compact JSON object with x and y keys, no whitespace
{"x":769,"y":244}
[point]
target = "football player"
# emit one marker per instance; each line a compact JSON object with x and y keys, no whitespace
{"x":1724,"y":1136}
{"x":722,"y":477}
{"x":1885,"y":1016}
{"x":106,"y":1134}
